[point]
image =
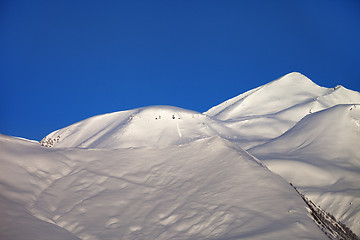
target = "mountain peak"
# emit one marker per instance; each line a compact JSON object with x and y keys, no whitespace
{"x":273,"y":97}
{"x":295,"y":74}
{"x":294,"y":78}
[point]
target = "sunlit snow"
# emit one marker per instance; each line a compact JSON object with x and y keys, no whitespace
{"x":163,"y":172}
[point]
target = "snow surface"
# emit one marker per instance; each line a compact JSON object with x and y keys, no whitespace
{"x":321,"y":156}
{"x":207,"y":189}
{"x":163,"y":172}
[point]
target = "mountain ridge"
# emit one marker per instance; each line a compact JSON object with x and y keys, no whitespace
{"x":118,"y":128}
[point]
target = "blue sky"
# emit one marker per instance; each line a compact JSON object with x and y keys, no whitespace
{"x":64,"y":61}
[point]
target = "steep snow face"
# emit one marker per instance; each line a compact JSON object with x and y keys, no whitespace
{"x":148,"y":126}
{"x":268,"y":111}
{"x":207,"y":189}
{"x":321,"y":156}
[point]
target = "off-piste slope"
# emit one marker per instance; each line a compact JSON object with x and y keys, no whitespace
{"x":268,"y":111}
{"x":156,"y":126}
{"x":320,"y":155}
{"x":206,"y":189}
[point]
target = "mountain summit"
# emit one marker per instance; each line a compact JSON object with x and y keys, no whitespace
{"x":274,"y":97}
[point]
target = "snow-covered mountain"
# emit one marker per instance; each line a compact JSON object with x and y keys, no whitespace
{"x":268,"y":111}
{"x":163,"y":172}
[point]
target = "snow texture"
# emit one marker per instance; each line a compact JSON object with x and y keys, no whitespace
{"x":209,"y":188}
{"x":321,"y":156}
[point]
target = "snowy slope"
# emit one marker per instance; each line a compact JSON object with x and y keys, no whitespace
{"x":268,"y":111}
{"x":207,"y":189}
{"x":149,"y":126}
{"x":25,"y":171}
{"x":320,"y":155}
